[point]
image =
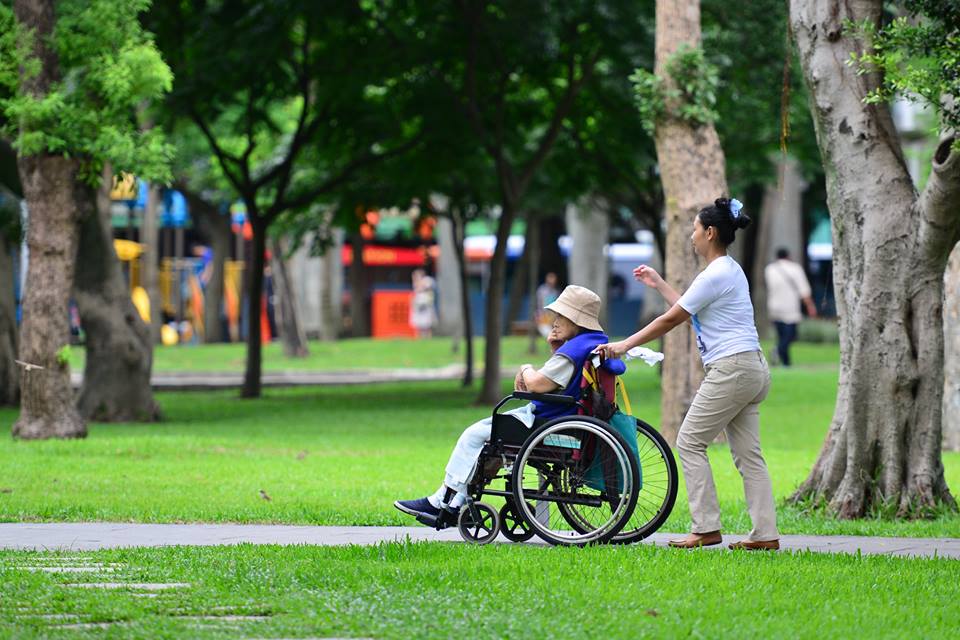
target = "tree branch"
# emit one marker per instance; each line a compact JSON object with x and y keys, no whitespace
{"x":561,"y":111}
{"x":363,"y":160}
{"x":939,"y":203}
{"x":222,"y":155}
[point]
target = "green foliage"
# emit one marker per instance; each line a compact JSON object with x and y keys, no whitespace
{"x":63,"y":355}
{"x":650,"y":98}
{"x":109,"y":68}
{"x":918,"y":55}
{"x":691,"y":96}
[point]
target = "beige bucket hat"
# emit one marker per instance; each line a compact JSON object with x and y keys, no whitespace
{"x":579,"y":305}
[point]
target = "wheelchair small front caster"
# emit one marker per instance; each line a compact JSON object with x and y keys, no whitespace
{"x":478,"y":522}
{"x":512,"y":525}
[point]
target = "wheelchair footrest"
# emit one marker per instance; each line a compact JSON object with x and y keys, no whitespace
{"x":442,"y":521}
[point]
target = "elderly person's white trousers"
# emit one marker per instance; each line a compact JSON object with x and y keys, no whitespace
{"x":728,"y":399}
{"x":463,"y":460}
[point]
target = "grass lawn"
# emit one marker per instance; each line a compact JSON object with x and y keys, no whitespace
{"x":343,"y":354}
{"x":437,"y":590}
{"x":341,"y":455}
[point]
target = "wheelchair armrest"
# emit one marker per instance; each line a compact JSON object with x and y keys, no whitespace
{"x":551,"y":398}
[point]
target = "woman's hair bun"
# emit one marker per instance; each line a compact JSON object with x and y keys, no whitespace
{"x":722,"y":203}
{"x":742,"y":221}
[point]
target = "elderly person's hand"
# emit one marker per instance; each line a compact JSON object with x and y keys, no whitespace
{"x":612,"y":349}
{"x":518,"y":383}
{"x":554,"y":340}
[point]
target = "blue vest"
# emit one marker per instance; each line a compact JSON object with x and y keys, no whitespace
{"x":578,"y":349}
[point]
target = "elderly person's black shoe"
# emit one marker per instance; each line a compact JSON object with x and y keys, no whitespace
{"x":416,"y":507}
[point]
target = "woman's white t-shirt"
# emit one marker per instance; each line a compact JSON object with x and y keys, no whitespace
{"x":718,"y":301}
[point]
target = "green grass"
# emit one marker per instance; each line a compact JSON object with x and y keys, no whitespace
{"x":341,"y":455}
{"x":371,"y":354}
{"x":326,"y":356}
{"x":435,"y":590}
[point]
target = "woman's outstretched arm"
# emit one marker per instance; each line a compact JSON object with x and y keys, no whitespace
{"x":660,"y":325}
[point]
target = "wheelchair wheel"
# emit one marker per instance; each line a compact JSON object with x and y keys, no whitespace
{"x":513,"y":526}
{"x":658,"y":492}
{"x":555,"y":479}
{"x":478,"y":523}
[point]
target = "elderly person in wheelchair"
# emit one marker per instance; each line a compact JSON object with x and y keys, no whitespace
{"x":575,"y":333}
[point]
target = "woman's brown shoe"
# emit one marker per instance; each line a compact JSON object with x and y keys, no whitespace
{"x":756,"y":545}
{"x":694,"y":540}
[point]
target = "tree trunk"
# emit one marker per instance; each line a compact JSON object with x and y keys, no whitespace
{"x":150,"y":240}
{"x":47,"y":408}
{"x":492,"y":391}
{"x":216,"y":226}
{"x":291,"y":328}
{"x":331,"y":294}
{"x":518,"y":283}
{"x":889,"y":253}
{"x":589,"y":228}
{"x":459,"y":232}
{"x":682,"y":148}
{"x":251,"y":376}
{"x":951,"y":352}
{"x":359,"y":323}
{"x":533,"y":281}
{"x":116,"y":377}
{"x":9,"y":374}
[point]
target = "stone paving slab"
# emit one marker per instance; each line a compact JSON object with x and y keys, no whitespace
{"x":105,"y":535}
{"x":199,"y":381}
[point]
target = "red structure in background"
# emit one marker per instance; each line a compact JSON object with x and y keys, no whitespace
{"x":391,"y":314}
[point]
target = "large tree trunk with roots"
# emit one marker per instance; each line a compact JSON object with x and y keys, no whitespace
{"x":116,"y":377}
{"x":47,"y":408}
{"x":9,"y":373}
{"x":682,"y":150}
{"x":951,"y":365}
{"x":890,"y":249}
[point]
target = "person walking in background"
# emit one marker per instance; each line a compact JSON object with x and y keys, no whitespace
{"x":787,"y":287}
{"x":736,"y":379}
{"x":546,"y":294}
{"x":423,"y":309}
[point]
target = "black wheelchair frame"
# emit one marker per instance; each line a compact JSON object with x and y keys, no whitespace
{"x":556,"y":463}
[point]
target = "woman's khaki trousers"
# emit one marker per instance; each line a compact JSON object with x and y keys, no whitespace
{"x":729,"y":398}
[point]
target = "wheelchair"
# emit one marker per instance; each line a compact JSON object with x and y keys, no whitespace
{"x":571,"y":481}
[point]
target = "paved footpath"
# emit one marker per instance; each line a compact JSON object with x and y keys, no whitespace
{"x":105,"y":535}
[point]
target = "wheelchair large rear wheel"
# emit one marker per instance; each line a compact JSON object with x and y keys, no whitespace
{"x":657,"y":495}
{"x":659,"y":480}
{"x":552,"y":479}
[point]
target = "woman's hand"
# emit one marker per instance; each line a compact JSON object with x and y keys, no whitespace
{"x":648,"y":276}
{"x":612,"y":349}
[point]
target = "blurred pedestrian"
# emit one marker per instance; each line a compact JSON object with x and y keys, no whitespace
{"x":423,"y":309}
{"x":546,"y":294}
{"x":787,"y":287}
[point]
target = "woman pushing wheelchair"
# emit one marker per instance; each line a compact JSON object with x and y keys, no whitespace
{"x":574,"y":335}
